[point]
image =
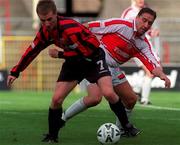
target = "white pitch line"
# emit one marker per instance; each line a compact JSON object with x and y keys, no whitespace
{"x":40,"y":113}
{"x":91,"y":116}
{"x":142,"y":106}
{"x":159,"y":107}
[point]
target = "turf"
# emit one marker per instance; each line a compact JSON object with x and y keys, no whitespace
{"x":23,"y":120}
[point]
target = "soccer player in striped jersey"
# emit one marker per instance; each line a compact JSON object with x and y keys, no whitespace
{"x":122,"y":39}
{"x":84,"y":59}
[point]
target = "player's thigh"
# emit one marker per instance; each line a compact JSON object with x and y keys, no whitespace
{"x":62,"y":89}
{"x":106,"y":87}
{"x":105,"y":84}
{"x":94,"y":91}
{"x":94,"y":96}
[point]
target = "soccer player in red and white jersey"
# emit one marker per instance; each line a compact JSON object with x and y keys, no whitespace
{"x":84,"y":59}
{"x":121,"y":40}
{"x":144,"y":89}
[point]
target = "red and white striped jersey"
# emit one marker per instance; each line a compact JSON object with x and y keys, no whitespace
{"x":130,"y":13}
{"x":120,"y":40}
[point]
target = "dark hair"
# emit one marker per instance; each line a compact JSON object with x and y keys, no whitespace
{"x":44,"y":6}
{"x":147,"y":10}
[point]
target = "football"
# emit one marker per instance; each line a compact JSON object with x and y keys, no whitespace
{"x":108,"y":133}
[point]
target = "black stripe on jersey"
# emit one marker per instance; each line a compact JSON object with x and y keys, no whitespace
{"x":86,"y":43}
{"x":67,"y":26}
{"x":85,"y":34}
{"x":47,"y":41}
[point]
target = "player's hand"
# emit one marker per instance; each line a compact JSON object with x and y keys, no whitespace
{"x":53,"y":52}
{"x":166,"y":80}
{"x":159,"y":73}
{"x":10,"y":80}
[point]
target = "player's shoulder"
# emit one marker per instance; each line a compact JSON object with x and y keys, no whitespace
{"x":120,"y":21}
{"x":62,"y":18}
{"x":67,"y":22}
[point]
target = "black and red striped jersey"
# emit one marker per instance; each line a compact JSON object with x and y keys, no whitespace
{"x":74,"y":38}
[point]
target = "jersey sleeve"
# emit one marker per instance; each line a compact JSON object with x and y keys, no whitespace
{"x":31,"y":52}
{"x":147,"y":56}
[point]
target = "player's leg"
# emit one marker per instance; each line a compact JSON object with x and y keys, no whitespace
{"x":62,"y":89}
{"x":105,"y":84}
{"x":104,"y":81}
{"x":138,"y":87}
{"x":92,"y":99}
{"x":67,"y":80}
{"x":128,"y":97}
{"x":122,"y":88}
{"x":126,"y":94}
{"x":146,"y":88}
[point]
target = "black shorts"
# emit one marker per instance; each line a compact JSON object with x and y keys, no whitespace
{"x":80,"y":68}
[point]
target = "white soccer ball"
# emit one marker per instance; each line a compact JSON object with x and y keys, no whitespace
{"x":108,"y":133}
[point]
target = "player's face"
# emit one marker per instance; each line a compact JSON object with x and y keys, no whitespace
{"x":139,"y":3}
{"x":49,"y":20}
{"x":144,"y":23}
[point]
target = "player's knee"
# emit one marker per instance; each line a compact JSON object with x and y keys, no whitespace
{"x":131,"y":102}
{"x":93,"y":100}
{"x":96,"y":101}
{"x":110,"y":96}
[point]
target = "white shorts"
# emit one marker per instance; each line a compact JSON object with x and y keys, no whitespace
{"x":118,"y":76}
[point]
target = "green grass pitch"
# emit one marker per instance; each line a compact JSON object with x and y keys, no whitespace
{"x":23,"y":120}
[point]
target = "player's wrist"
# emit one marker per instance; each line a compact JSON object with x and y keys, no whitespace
{"x":15,"y":74}
{"x":60,"y":54}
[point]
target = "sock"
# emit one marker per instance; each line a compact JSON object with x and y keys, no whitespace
{"x":74,"y":109}
{"x":128,"y":113}
{"x":54,"y":121}
{"x":119,"y":109}
{"x":146,"y":88}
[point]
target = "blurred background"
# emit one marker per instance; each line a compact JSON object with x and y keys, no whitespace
{"x":19,"y":24}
